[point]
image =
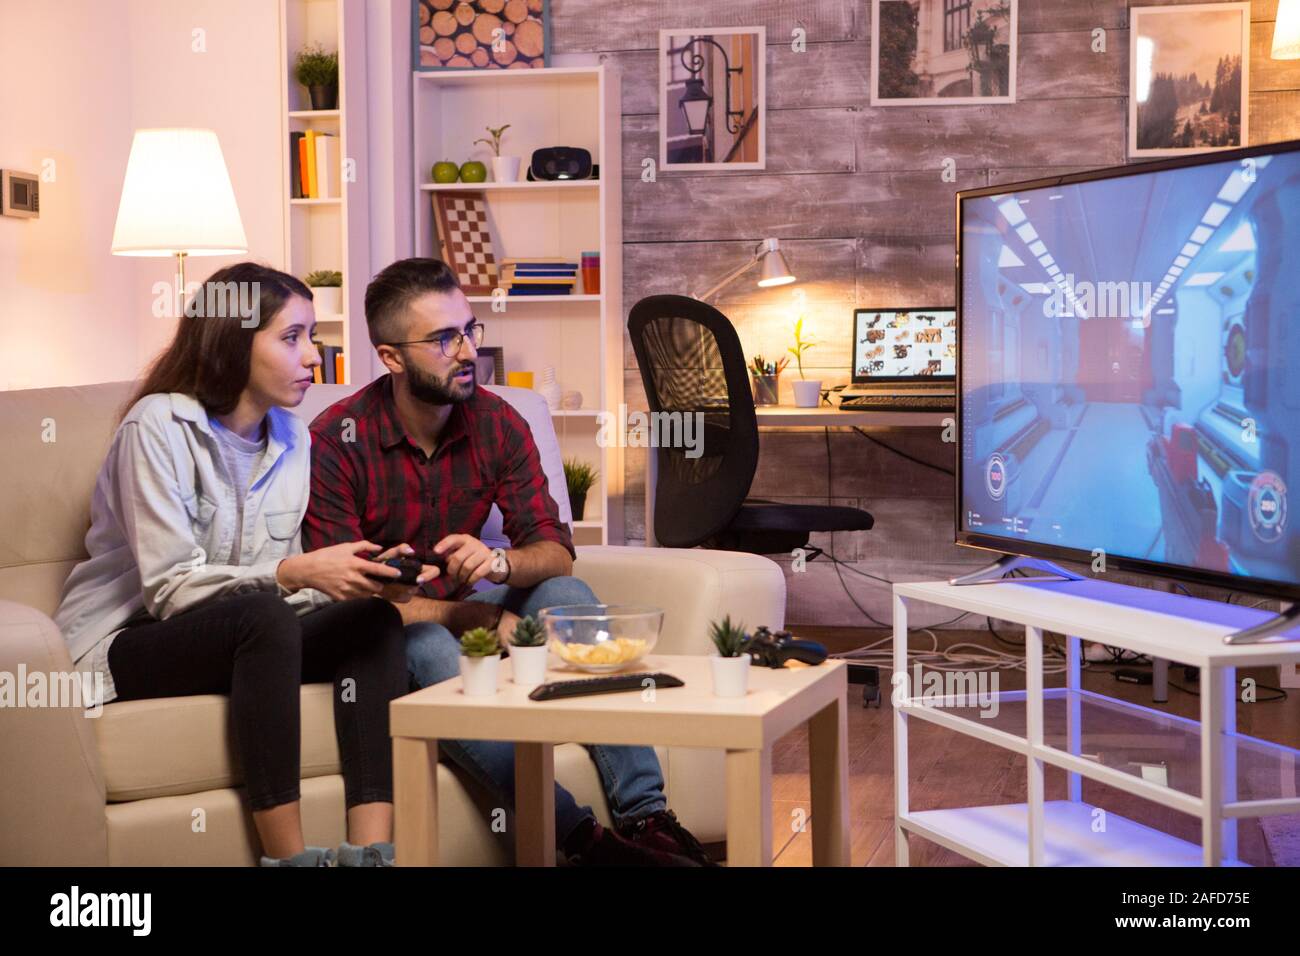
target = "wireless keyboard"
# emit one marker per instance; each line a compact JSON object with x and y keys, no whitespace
{"x":611,"y":684}
{"x":898,"y":403}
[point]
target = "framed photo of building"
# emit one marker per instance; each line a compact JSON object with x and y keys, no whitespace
{"x":930,"y":52}
{"x":712,"y":98}
{"x":1189,"y":83}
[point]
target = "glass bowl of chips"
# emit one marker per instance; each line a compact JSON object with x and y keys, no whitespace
{"x":601,"y":638}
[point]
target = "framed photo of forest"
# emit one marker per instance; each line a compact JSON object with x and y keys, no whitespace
{"x":1189,"y":87}
{"x":950,"y":52}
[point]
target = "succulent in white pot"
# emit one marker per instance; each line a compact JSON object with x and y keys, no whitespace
{"x":730,"y":665}
{"x":480,"y":662}
{"x":505,"y":169}
{"x":528,"y":652}
{"x":326,"y":292}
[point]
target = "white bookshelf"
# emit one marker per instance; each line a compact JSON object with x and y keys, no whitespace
{"x":329,"y":233}
{"x":580,"y":335}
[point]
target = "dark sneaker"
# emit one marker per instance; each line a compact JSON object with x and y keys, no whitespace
{"x":593,"y":845}
{"x":661,"y":831}
{"x":376,"y":854}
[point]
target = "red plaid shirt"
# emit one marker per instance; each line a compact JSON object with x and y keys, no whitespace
{"x":370,"y":480}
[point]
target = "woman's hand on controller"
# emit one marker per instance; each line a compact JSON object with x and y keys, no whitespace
{"x":402,"y":593}
{"x":341,"y":571}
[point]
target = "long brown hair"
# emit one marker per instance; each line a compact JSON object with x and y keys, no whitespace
{"x":209,"y":356}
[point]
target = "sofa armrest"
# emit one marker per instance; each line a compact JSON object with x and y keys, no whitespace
{"x":693,"y":585}
{"x":52,"y":803}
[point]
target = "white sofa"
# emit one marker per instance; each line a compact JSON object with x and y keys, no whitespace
{"x":132,"y":786}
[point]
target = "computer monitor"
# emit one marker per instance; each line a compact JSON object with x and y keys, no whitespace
{"x":904,"y":345}
{"x":1128,"y":377}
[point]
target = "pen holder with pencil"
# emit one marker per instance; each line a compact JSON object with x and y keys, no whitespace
{"x":766,"y":377}
{"x":767,"y":389}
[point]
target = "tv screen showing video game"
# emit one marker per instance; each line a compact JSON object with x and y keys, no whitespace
{"x":1129,"y":384}
{"x":894,"y":344}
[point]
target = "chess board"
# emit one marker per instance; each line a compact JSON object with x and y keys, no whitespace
{"x":465,"y":240}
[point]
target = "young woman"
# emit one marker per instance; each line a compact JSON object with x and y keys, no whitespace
{"x":196,"y":583}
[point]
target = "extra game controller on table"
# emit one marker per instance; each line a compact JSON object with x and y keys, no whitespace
{"x":773,"y":650}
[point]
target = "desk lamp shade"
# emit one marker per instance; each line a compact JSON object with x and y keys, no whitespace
{"x":775,"y":270}
{"x":177,"y":198}
{"x":1286,"y":31}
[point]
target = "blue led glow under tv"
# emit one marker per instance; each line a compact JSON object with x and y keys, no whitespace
{"x":1129,"y":368}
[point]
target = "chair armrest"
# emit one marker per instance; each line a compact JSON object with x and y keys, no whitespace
{"x":693,"y":585}
{"x":52,"y":802}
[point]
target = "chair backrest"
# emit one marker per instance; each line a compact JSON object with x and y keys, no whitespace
{"x":692,"y":364}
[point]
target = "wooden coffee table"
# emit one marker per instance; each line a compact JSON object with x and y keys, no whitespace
{"x":690,"y":716}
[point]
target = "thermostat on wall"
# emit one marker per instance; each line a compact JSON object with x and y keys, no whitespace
{"x":20,"y":194}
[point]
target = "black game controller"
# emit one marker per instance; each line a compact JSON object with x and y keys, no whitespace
{"x":410,"y":568}
{"x":773,"y":649}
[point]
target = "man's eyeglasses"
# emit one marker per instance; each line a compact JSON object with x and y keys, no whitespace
{"x":450,"y":341}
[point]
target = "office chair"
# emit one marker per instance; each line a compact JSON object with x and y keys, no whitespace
{"x":691,"y":361}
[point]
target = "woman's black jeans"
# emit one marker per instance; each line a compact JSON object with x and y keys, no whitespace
{"x":254,"y":648}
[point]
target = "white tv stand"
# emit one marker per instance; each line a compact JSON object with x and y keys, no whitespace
{"x":1088,"y":734}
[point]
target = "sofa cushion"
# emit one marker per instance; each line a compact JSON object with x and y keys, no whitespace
{"x":178,"y":745}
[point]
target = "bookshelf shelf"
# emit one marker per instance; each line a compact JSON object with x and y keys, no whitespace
{"x":328,"y":233}
{"x":537,"y":299}
{"x":498,"y":187}
{"x":579,"y":335}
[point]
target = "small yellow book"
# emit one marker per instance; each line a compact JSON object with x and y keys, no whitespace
{"x":312,"y":191}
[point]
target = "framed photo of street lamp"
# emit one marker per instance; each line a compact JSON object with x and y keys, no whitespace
{"x":712,"y":98}
{"x":1189,"y":78}
{"x":943,"y":52}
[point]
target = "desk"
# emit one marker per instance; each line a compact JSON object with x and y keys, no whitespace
{"x":788,"y":416}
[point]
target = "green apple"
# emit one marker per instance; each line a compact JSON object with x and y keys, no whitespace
{"x":445,"y":172}
{"x":473,"y":172}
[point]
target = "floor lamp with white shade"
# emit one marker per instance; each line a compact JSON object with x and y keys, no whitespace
{"x":177,"y":200}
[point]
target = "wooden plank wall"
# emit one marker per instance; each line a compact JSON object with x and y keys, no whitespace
{"x":856,"y":195}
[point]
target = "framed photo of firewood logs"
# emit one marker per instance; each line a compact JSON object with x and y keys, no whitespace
{"x":481,"y":34}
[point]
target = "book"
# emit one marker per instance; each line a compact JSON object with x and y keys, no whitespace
{"x":295,"y":165}
{"x":327,"y":166}
{"x":302,"y":167}
{"x":329,"y":363}
{"x":338,"y":367}
{"x":313,"y":189}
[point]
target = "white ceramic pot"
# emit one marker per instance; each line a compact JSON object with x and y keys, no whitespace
{"x":328,"y":300}
{"x":528,"y":664}
{"x":505,"y":169}
{"x":730,"y":675}
{"x":479,"y":675}
{"x":807,"y":393}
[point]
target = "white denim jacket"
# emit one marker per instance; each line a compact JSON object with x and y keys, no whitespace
{"x":161,"y":505}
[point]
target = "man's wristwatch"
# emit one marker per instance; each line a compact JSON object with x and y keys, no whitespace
{"x":505,"y":556}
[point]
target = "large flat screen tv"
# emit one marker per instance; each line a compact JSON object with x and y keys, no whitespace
{"x":1129,"y":368}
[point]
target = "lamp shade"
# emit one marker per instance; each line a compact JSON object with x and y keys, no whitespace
{"x":1286,"y":31}
{"x":775,"y":270}
{"x":177,"y":198}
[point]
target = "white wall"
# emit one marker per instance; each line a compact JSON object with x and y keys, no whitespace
{"x":65,"y":303}
{"x":77,"y":77}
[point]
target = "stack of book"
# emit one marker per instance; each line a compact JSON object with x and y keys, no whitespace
{"x":330,"y":370}
{"x":538,"y":276}
{"x":315,"y":173}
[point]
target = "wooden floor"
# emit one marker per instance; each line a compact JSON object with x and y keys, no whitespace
{"x":953,"y":770}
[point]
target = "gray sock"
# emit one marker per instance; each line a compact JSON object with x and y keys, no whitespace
{"x":312,"y":856}
{"x":376,"y":854}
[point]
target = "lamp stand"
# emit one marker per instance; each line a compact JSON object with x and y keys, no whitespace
{"x":726,"y":280}
{"x":180,"y":284}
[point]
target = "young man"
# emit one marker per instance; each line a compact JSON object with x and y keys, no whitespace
{"x":419,"y":457}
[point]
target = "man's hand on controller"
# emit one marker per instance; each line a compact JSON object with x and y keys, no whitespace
{"x":402,"y":593}
{"x":469,"y":560}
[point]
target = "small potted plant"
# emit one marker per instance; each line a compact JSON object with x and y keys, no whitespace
{"x":807,"y":392}
{"x":505,"y":169}
{"x":326,"y":291}
{"x":766,"y":377}
{"x":528,"y":652}
{"x":319,"y":72}
{"x":731,"y":664}
{"x":579,"y":476}
{"x":480,"y":660}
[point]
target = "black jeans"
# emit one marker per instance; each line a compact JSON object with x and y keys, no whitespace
{"x":254,"y":648}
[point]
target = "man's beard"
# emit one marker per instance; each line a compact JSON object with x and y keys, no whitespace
{"x":435,"y":391}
